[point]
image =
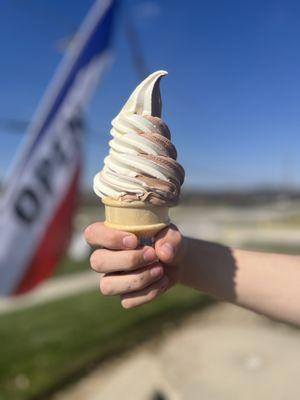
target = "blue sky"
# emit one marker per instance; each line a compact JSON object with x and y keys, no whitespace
{"x":231,"y":98}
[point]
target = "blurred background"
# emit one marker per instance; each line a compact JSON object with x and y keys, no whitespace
{"x":231,"y":100}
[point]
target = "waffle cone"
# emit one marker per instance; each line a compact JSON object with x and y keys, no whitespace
{"x":143,"y":219}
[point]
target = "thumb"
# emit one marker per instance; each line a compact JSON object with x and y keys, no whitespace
{"x":168,"y":244}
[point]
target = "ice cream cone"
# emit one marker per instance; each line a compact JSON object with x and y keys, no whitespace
{"x":143,"y":219}
{"x":141,"y":177}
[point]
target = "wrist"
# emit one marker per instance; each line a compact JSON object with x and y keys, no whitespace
{"x":198,"y":264}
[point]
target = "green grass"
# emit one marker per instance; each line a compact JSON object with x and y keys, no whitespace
{"x":46,"y":347}
{"x":68,"y":266}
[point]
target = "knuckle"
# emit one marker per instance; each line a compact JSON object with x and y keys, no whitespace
{"x":88,"y":233}
{"x":106,"y":287}
{"x":138,"y":283}
{"x":132,"y":284}
{"x":176,"y":233}
{"x":146,"y":278}
{"x":133,"y":259}
{"x":177,"y":236}
{"x":112,"y":240}
{"x":109,"y":236}
{"x":96,"y":261}
{"x":92,"y":260}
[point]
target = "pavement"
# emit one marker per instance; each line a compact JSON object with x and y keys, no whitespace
{"x":237,"y":226}
{"x":221,"y":353}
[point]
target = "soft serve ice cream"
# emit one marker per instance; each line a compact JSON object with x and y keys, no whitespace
{"x":141,"y":164}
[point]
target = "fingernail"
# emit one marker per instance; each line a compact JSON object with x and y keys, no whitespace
{"x":149,"y":255}
{"x":168,"y":250}
{"x":129,"y":242}
{"x":156,"y":271}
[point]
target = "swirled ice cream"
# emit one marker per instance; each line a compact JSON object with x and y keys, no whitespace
{"x":141,"y":164}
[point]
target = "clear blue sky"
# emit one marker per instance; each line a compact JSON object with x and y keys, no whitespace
{"x":232,"y":97}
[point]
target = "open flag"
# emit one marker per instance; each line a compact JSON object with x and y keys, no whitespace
{"x":40,"y":193}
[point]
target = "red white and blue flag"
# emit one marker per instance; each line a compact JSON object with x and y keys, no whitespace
{"x":41,"y":190}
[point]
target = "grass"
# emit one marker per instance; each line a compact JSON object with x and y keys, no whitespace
{"x":68,"y":266}
{"x":46,"y":347}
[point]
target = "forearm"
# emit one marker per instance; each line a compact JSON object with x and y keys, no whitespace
{"x":265,"y":283}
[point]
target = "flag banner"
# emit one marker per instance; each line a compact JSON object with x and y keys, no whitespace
{"x":39,"y":199}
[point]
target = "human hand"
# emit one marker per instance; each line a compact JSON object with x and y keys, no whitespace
{"x":137,"y":274}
